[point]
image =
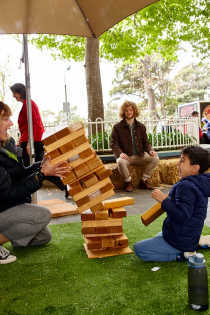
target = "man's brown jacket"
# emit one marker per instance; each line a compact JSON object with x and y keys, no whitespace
{"x":121,"y":140}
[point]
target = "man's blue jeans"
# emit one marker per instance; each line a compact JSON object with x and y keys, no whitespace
{"x":156,"y":249}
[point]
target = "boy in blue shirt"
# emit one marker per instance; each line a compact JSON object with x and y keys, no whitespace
{"x":186,"y":208}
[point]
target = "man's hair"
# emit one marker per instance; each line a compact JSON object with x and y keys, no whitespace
{"x":5,"y":110}
{"x":20,"y":89}
{"x":198,"y":155}
{"x":127,"y":104}
{"x":194,"y":113}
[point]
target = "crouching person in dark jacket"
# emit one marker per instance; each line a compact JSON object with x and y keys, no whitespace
{"x":186,"y":208}
{"x":21,"y":223}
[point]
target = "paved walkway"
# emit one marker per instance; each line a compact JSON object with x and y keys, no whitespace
{"x":142,"y":201}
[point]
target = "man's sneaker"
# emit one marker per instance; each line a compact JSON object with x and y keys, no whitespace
{"x":5,"y":257}
{"x":128,"y":187}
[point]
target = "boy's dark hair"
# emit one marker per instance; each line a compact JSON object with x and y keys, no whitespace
{"x":195,"y":113}
{"x":198,"y":155}
{"x":20,"y":89}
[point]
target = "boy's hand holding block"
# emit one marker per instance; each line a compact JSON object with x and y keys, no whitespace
{"x":153,"y":213}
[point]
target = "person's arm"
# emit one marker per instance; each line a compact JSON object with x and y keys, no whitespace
{"x":145,"y":141}
{"x":181,"y":209}
{"x":115,"y":143}
{"x":18,"y":191}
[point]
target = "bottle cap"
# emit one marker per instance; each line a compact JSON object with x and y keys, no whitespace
{"x":197,"y":260}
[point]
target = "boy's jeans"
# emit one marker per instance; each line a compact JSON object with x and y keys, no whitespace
{"x":156,"y":249}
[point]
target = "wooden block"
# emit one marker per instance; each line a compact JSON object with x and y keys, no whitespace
{"x":106,"y":188}
{"x":95,"y":201}
{"x":153,"y":213}
{"x":103,"y":173}
{"x":54,"y":154}
{"x":81,"y":170}
{"x":66,"y":148}
{"x":69,"y":178}
{"x":59,"y":208}
{"x":60,"y":134}
{"x":117,"y":213}
{"x":87,"y":216}
{"x":118,"y":202}
{"x":67,"y":155}
{"x":75,"y":188}
{"x":101,"y":215}
{"x":78,"y":141}
{"x":107,"y":253}
{"x":80,"y":161}
{"x":98,"y":207}
{"x":64,"y":141}
{"x":47,"y":141}
{"x":90,"y":180}
{"x":102,"y":226}
{"x":92,"y":244}
{"x":94,"y":163}
{"x":91,"y":189}
{"x":86,"y":153}
{"x":107,"y":242}
{"x":102,"y":235}
{"x":121,"y":241}
{"x":90,"y":172}
{"x":83,"y":202}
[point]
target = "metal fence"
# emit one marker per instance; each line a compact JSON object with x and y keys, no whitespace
{"x":163,"y":134}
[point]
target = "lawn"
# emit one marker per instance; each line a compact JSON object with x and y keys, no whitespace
{"x":59,"y":279}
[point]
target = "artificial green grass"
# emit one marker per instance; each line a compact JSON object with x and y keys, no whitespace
{"x":59,"y":279}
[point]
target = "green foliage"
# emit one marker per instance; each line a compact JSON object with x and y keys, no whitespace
{"x":100,"y":141}
{"x":159,"y":28}
{"x":190,"y":82}
{"x":174,"y":139}
{"x":169,"y":139}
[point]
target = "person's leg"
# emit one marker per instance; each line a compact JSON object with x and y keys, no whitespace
{"x":122,"y":165}
{"x":156,"y":249}
{"x":149,"y":163}
{"x":25,"y":156}
{"x":23,"y":223}
{"x":39,"y":151}
{"x":42,"y":238}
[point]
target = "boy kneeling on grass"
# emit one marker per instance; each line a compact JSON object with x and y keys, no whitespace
{"x":186,"y":208}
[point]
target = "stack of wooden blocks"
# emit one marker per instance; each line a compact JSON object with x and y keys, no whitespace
{"x":90,"y":185}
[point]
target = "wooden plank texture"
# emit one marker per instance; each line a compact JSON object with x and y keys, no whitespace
{"x":60,"y":142}
{"x":95,"y":201}
{"x":59,"y":208}
{"x":107,"y":253}
{"x":118,"y":202}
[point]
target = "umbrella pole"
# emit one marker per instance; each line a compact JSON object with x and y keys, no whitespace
{"x":28,"y":102}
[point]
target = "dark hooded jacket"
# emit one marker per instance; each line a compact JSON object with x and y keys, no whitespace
{"x":186,"y":208}
{"x":17,"y":183}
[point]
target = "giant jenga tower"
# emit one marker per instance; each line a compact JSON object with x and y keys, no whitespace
{"x":90,"y":186}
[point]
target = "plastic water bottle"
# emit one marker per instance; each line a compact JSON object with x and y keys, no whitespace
{"x":197,"y":283}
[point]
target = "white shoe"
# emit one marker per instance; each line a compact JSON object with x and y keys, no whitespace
{"x":5,"y":257}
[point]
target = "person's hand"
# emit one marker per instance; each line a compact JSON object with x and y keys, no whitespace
{"x":59,"y":169}
{"x":124,"y":156}
{"x":153,"y":153}
{"x":159,"y":195}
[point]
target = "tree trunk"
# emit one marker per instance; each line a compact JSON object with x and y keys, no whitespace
{"x":93,"y":80}
{"x":148,"y":87}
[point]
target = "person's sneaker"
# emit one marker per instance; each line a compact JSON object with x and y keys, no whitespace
{"x":128,"y":187}
{"x":5,"y":257}
{"x":145,"y":185}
